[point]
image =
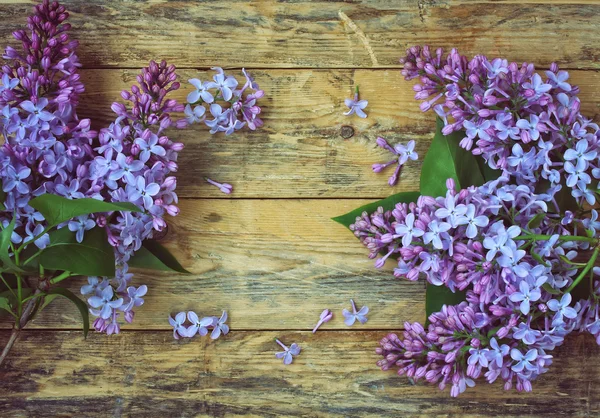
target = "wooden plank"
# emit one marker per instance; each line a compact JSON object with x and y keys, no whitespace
{"x":301,"y":151}
{"x":321,"y":33}
{"x":272,"y":264}
{"x":148,"y":373}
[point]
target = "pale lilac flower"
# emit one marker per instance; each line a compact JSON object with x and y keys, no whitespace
{"x":581,"y":151}
{"x":220,"y":327}
{"x":326,"y":316}
{"x":526,"y":334}
{"x":104,"y":303}
{"x":559,"y":79}
{"x":199,"y":326}
{"x":497,"y":353}
{"x":537,"y":85}
{"x":562,"y":308}
{"x":525,"y":295}
{"x":523,"y":361}
{"x":194,"y":115}
{"x":351,"y":317}
{"x":288,"y":353}
{"x":356,"y":106}
{"x":408,"y":230}
{"x":149,"y":146}
{"x":136,"y":297}
{"x":81,"y":224}
{"x":37,"y":110}
{"x":223,"y":83}
{"x":179,"y":330}
{"x":15,"y":179}
{"x":200,"y":92}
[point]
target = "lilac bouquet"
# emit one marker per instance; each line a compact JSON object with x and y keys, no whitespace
{"x":504,"y":229}
{"x":80,"y":202}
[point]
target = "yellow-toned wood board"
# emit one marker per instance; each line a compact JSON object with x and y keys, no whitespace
{"x":321,"y":33}
{"x":56,"y":373}
{"x":272,"y":264}
{"x":304,"y":149}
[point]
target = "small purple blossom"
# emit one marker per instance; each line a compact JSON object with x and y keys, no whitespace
{"x":356,"y":106}
{"x":355,"y":315}
{"x":288,"y":353}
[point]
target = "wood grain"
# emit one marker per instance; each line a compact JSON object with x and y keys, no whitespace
{"x":150,"y":374}
{"x":301,"y":151}
{"x":272,"y":264}
{"x":321,"y":33}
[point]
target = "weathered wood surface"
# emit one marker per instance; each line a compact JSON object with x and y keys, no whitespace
{"x":269,"y":253}
{"x":322,"y":33}
{"x":150,"y":374}
{"x":301,"y":152}
{"x":272,"y":264}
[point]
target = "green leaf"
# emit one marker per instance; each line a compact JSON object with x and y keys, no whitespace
{"x":92,"y":257}
{"x":83,"y":308}
{"x":387,"y":204}
{"x":536,"y":221}
{"x":154,"y":256}
{"x":446,"y":159}
{"x":57,"y":209}
{"x":437,"y":296}
{"x":550,"y":289}
{"x":2,"y":197}
{"x":5,"y":235}
{"x":5,"y":304}
{"x":488,"y":173}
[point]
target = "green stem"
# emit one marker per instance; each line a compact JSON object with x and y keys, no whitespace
{"x":537,"y":237}
{"x":19,"y":297}
{"x":61,"y":277}
{"x":32,"y":257}
{"x":587,"y":268}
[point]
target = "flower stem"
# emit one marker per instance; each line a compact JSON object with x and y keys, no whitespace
{"x":11,"y":341}
{"x":61,"y":277}
{"x":536,"y":237}
{"x":281,"y":344}
{"x":587,"y":268}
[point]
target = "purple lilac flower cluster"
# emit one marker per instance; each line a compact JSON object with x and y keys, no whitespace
{"x":525,"y":124}
{"x":187,"y":325}
{"x":49,"y":149}
{"x":46,"y":144}
{"x":238,"y":106}
{"x":518,"y":275}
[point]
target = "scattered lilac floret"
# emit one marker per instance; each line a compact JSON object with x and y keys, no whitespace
{"x":289,"y":352}
{"x":187,"y":325}
{"x":403,"y":152}
{"x":179,"y":330}
{"x":356,"y":106}
{"x":326,"y":316}
{"x":220,"y":327}
{"x":199,"y":326}
{"x":351,"y":317}
{"x":224,"y":187}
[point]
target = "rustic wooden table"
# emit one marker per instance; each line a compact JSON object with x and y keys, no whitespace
{"x":269,"y":254}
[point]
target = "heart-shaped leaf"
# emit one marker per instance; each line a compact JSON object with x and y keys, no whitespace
{"x":154,"y":256}
{"x":57,"y":209}
{"x":388,"y":204}
{"x":92,"y":257}
{"x":446,"y":159}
